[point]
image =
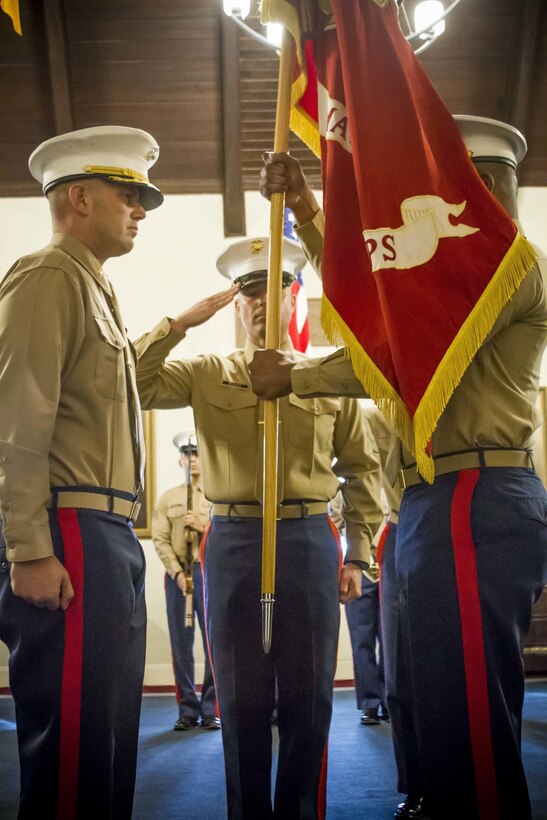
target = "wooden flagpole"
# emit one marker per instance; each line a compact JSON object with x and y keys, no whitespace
{"x":273,"y":332}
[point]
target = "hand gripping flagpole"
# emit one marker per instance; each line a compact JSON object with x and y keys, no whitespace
{"x":273,"y":333}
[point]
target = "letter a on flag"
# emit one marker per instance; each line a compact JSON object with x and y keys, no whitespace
{"x":419,"y":258}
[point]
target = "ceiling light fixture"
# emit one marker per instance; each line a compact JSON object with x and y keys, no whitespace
{"x":429,"y":21}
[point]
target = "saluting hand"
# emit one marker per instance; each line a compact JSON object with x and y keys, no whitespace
{"x":203,"y":310}
{"x":43,"y":583}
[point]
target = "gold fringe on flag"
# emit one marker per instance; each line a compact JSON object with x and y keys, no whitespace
{"x":416,"y":433}
{"x":11,"y":8}
{"x":374,"y":382}
{"x":280,"y":11}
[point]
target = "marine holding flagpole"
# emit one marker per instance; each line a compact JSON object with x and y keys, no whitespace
{"x":471,"y":545}
{"x":310,"y":578}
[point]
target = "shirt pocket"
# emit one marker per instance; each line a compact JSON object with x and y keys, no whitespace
{"x":232,"y":416}
{"x":312,"y":421}
{"x":110,"y":379}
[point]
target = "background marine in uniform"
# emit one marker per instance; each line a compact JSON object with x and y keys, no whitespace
{"x":174,"y":527}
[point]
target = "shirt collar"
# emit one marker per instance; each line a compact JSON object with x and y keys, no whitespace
{"x":82,"y":254}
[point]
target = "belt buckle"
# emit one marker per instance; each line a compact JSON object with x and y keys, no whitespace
{"x":134,"y":511}
{"x":304,"y":509}
{"x":402,"y":478}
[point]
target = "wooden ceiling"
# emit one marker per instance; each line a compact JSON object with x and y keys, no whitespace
{"x":206,"y":90}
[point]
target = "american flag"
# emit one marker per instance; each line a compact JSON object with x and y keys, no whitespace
{"x":299,"y":329}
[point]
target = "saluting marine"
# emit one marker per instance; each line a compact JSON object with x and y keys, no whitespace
{"x":310,"y":579}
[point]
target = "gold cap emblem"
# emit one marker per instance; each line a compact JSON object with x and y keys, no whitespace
{"x":256,"y":246}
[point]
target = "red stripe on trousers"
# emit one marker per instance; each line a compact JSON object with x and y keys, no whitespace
{"x":71,"y":687}
{"x":322,"y":791}
{"x":473,"y":646}
{"x":336,"y":534}
{"x":379,"y":556}
{"x":202,"y":549}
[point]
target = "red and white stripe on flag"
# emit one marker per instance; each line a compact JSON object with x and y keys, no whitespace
{"x":299,"y":327}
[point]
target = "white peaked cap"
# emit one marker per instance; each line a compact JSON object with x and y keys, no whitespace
{"x":114,"y":153}
{"x":492,"y":140}
{"x":247,"y":261}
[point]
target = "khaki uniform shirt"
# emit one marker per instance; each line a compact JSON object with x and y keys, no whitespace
{"x":494,"y":404}
{"x":68,"y":413}
{"x":168,"y":531}
{"x":385,"y":438}
{"x":227,"y":413}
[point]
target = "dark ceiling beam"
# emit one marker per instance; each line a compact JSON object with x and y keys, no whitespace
{"x":234,"y":201}
{"x":57,"y":52}
{"x":521,"y":74}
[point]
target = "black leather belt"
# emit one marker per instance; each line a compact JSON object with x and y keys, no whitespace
{"x":470,"y":460}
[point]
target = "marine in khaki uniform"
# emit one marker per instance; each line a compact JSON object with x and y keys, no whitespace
{"x":363,"y":619}
{"x":471,"y":549}
{"x":71,"y":457}
{"x":175,"y":527}
{"x":310,"y":580}
{"x":396,"y":672}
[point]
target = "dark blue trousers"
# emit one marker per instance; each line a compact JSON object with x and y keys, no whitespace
{"x":363,"y":616}
{"x":76,"y":676}
{"x":182,"y":647}
{"x":471,"y":558}
{"x":397,"y":678}
{"x":302,"y":660}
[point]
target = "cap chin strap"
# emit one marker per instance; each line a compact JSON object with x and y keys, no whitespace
{"x":260,"y":275}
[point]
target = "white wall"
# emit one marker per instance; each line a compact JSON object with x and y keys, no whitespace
{"x":171,"y":267}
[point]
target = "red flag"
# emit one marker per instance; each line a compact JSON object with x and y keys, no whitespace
{"x":419,"y":258}
{"x":11,"y":8}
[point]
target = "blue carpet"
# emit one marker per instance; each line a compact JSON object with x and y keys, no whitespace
{"x":181,"y":773}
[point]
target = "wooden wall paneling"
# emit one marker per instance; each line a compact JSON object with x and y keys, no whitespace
{"x":534,"y":167}
{"x":157,"y":67}
{"x":25,"y":100}
{"x":526,"y":35}
{"x":233,"y":199}
{"x":59,"y":75}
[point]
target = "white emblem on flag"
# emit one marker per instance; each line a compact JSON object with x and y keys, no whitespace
{"x":426,"y":219}
{"x":333,"y":119}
